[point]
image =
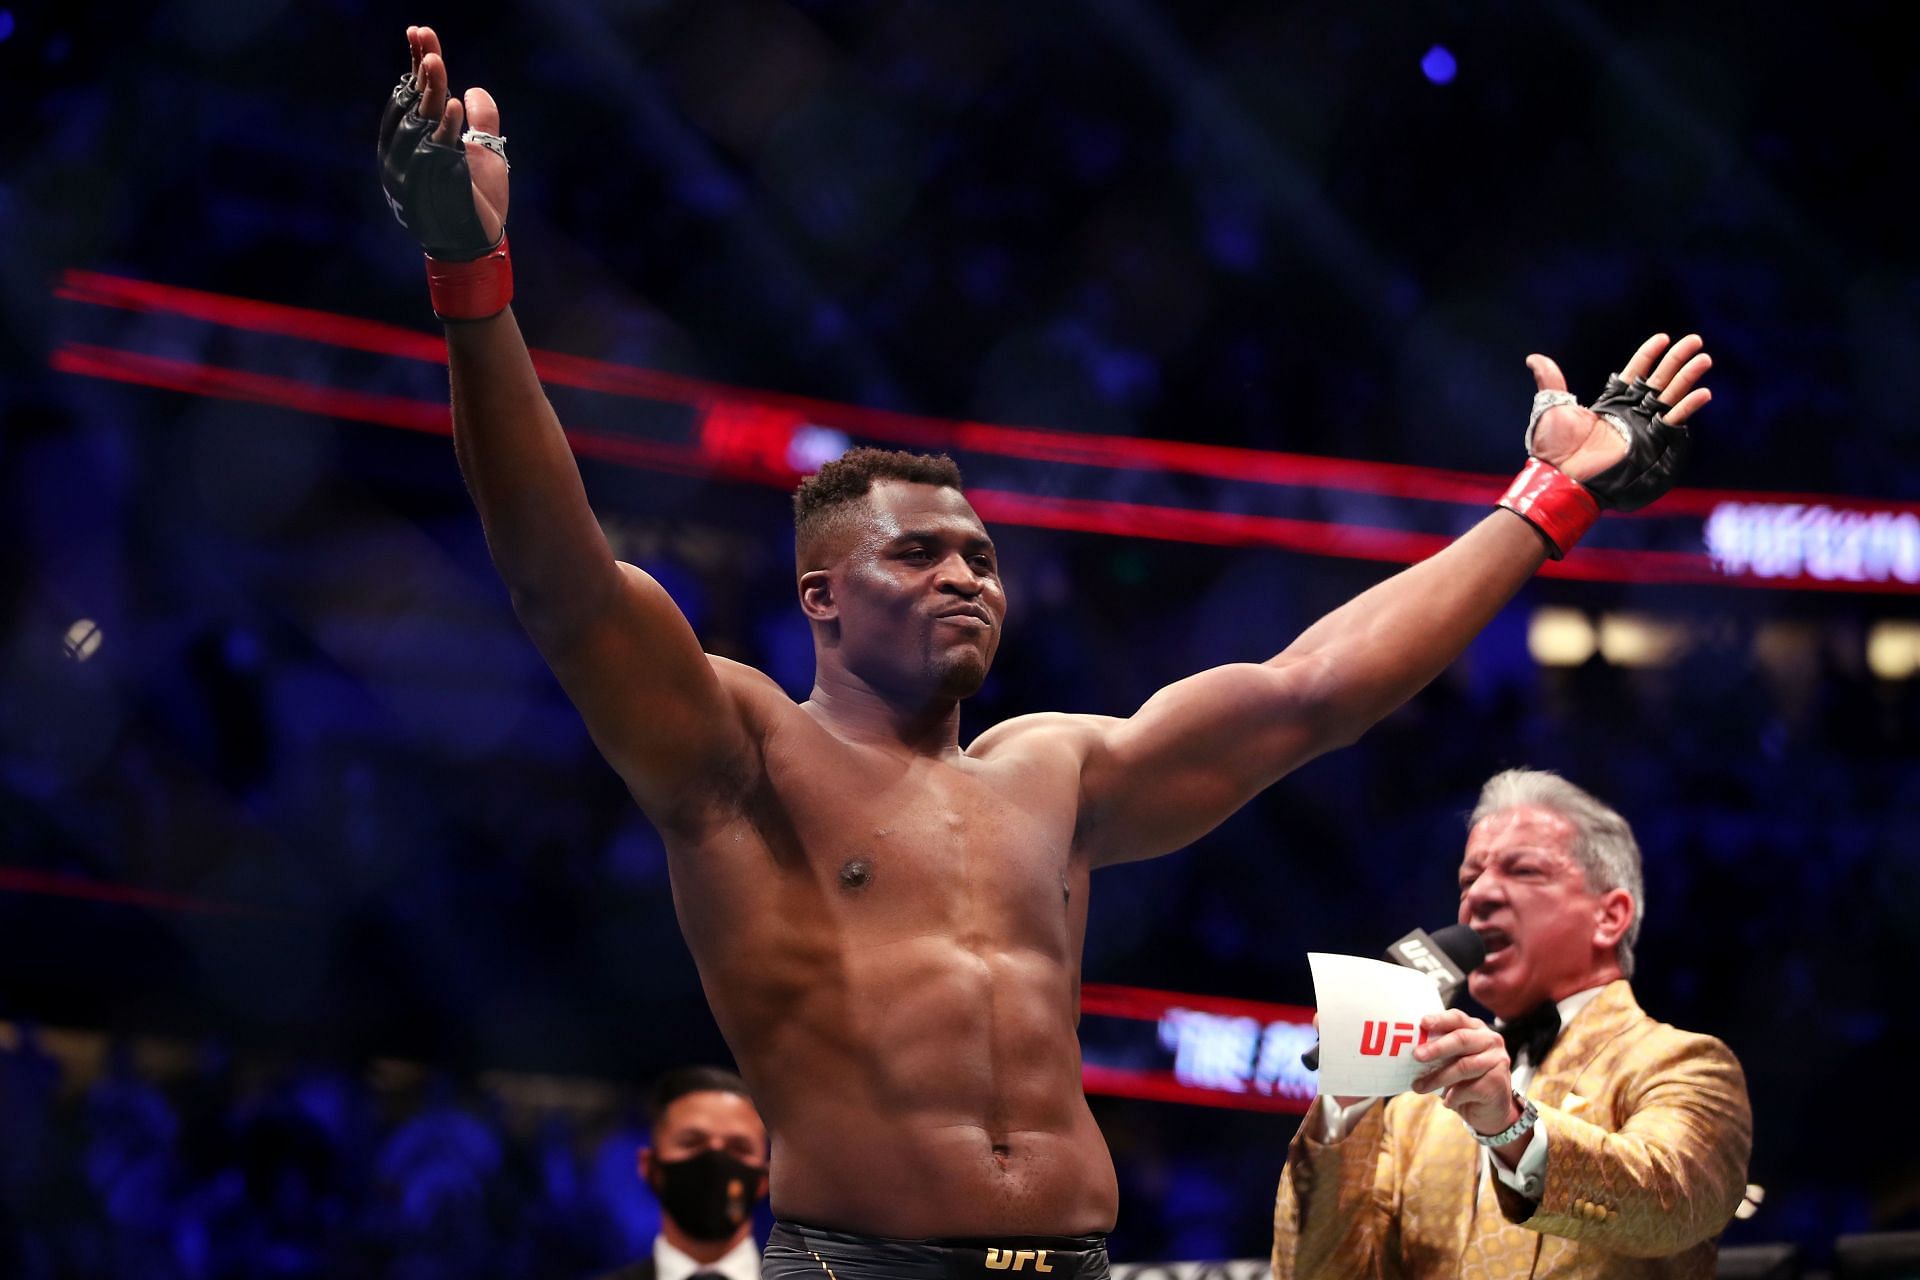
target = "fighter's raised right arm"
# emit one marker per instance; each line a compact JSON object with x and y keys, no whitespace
{"x":625,"y":654}
{"x":1202,"y":747}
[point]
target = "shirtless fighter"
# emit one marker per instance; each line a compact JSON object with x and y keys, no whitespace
{"x":889,"y":926}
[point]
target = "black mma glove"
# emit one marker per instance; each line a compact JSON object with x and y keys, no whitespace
{"x":1655,"y":448}
{"x":427,"y":183}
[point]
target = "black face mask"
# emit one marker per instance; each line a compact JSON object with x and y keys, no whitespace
{"x":709,"y":1195}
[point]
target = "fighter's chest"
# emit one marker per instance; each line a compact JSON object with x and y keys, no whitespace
{"x":960,"y":844}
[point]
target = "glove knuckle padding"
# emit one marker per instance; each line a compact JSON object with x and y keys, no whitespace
{"x":1656,"y":449}
{"x":427,"y":183}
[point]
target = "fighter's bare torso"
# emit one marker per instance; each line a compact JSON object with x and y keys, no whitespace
{"x":889,"y":928}
{"x":891,"y":944}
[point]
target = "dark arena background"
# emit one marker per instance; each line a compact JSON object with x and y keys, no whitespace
{"x":329,"y":946}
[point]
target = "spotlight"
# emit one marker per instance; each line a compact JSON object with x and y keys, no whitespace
{"x":1636,"y":640}
{"x":813,"y":447}
{"x":1560,"y":637}
{"x":1893,"y":649}
{"x":1438,"y":65}
{"x":82,"y":640}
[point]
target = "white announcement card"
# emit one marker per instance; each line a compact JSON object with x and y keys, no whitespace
{"x":1370,"y":1015}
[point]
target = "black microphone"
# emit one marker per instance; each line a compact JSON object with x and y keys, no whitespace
{"x":1446,"y":955}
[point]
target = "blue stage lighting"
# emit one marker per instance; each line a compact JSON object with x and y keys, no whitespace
{"x":1438,"y":65}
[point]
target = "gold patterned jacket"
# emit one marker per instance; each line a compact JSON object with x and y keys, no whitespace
{"x":1648,"y":1133}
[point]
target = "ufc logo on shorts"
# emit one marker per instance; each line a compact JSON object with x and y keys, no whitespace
{"x":1378,"y":1038}
{"x":1015,"y":1259}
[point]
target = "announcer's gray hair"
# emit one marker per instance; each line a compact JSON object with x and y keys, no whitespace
{"x":1603,"y":843}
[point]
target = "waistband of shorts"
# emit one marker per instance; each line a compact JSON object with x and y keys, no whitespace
{"x":795,"y":1250}
{"x":1061,"y":1244}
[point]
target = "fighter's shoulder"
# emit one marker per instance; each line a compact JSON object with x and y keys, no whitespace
{"x":760,"y":699}
{"x":750,"y":679}
{"x":1043,"y":731}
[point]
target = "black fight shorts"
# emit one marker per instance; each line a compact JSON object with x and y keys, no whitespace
{"x":797,"y":1252}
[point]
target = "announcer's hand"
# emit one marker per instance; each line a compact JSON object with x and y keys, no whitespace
{"x":1467,"y":1065}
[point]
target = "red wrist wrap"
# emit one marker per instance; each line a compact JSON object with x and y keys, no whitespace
{"x":1554,"y":503}
{"x":476,"y":290}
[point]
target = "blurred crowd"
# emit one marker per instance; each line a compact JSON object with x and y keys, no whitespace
{"x":217,"y":1167}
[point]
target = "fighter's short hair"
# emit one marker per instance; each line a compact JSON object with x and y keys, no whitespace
{"x":828,"y":492}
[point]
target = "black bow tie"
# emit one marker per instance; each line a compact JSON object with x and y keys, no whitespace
{"x":1534,"y":1031}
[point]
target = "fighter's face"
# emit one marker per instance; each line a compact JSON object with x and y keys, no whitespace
{"x":1547,"y":934}
{"x":919,"y":599}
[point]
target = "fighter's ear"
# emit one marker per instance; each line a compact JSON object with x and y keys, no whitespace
{"x":816,"y":596}
{"x":643,"y":1161}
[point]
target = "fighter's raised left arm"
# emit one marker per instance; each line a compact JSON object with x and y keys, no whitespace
{"x":1202,"y":747}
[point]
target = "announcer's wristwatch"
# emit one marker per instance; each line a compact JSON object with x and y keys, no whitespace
{"x":1529,"y":1115}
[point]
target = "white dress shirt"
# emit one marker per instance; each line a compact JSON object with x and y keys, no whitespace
{"x":742,"y":1262}
{"x":1331,"y":1122}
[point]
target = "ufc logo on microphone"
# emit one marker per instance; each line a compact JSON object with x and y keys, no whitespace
{"x":1418,"y":957}
{"x":1377,"y":1038}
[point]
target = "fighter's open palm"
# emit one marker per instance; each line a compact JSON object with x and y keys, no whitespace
{"x":1582,"y":442}
{"x":474,"y":110}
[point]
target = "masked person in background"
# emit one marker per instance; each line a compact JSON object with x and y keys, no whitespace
{"x":708,"y":1168}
